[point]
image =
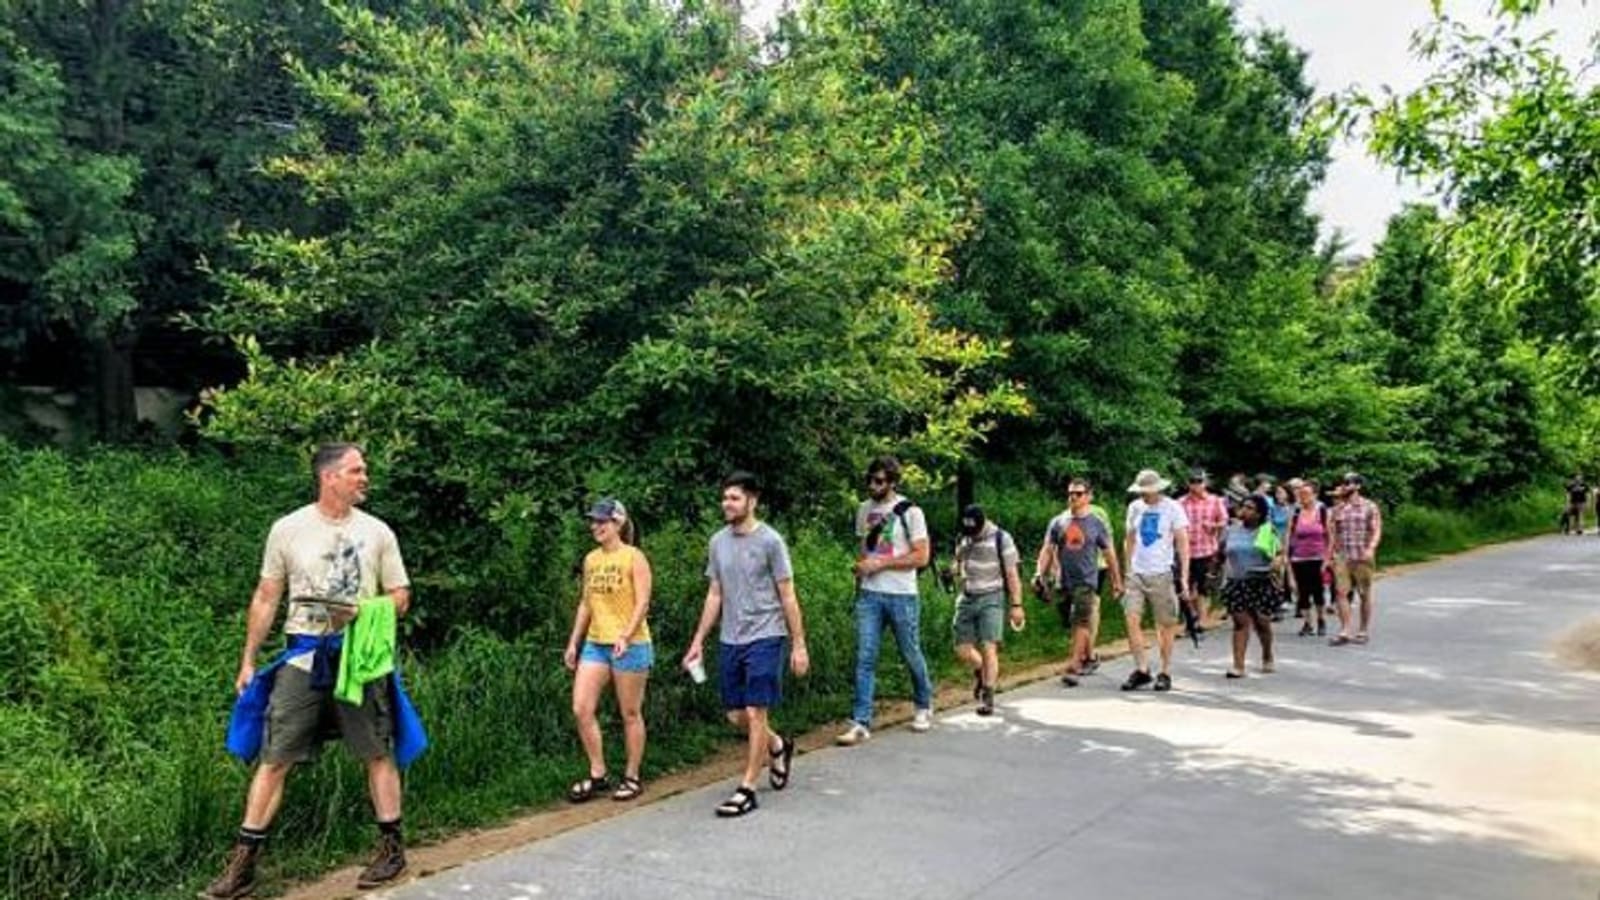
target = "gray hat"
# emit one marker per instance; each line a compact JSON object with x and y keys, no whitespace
{"x":1149,"y":480}
{"x":608,"y":509}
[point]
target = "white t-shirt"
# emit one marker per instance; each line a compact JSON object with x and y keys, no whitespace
{"x":1152,"y":528}
{"x":893,"y":540}
{"x":325,"y":563}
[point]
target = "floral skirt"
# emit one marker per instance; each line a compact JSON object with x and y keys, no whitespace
{"x":1250,"y":595}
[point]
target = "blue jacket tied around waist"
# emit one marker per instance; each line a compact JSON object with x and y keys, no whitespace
{"x":247,"y":725}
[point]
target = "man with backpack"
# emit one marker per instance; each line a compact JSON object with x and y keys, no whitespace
{"x":894,"y":547}
{"x":986,"y":574}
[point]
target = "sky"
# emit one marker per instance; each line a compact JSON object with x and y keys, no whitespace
{"x":1362,"y":43}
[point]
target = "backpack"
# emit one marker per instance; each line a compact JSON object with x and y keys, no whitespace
{"x":999,"y":554}
{"x":899,"y":512}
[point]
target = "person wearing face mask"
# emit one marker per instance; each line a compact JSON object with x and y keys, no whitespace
{"x":986,"y":575}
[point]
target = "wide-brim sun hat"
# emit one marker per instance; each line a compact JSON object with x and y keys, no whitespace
{"x":1147,"y":481}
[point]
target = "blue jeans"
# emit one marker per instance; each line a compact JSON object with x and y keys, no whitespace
{"x":900,"y":612}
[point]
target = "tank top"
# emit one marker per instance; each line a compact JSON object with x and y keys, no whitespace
{"x":608,"y":586}
{"x":1309,"y":540}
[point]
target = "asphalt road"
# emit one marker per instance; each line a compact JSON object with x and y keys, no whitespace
{"x":1451,"y":758}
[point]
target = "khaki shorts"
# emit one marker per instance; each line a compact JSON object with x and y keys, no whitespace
{"x":1358,"y":575}
{"x":299,"y":719}
{"x":1155,"y":591}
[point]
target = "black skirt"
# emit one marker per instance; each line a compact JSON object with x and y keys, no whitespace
{"x":1250,"y":595}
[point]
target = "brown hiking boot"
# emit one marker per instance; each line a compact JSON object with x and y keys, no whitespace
{"x":387,"y":864}
{"x":238,"y":876}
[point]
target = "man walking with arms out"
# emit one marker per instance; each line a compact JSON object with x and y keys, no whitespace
{"x":894,"y":545}
{"x":1356,"y":529}
{"x":752,"y":591}
{"x":330,"y":556}
{"x":1208,"y":515}
{"x":1157,"y":535}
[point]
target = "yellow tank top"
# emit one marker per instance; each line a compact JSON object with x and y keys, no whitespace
{"x":608,"y":585}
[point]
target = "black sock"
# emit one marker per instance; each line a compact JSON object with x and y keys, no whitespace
{"x":252,"y":837}
{"x":390,"y":827}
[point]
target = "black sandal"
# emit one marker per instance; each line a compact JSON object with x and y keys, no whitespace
{"x":588,"y":789}
{"x":780,"y":778}
{"x":629,"y":788}
{"x":742,"y":803}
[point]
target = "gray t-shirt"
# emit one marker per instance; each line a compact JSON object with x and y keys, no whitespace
{"x":1079,"y":543}
{"x":748,"y":568}
{"x":1244,"y":558}
{"x":894,"y":539}
{"x":980,"y":564}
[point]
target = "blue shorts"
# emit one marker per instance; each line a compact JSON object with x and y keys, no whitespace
{"x":639,"y":658}
{"x":752,"y":674}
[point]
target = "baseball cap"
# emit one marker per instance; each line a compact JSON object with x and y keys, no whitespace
{"x":607,"y":509}
{"x":972,"y":519}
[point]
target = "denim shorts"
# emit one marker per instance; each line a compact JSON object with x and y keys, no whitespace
{"x":639,"y":658}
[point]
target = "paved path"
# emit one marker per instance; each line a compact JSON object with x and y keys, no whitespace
{"x":1451,"y":758}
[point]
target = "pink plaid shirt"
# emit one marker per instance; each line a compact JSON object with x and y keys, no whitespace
{"x":1207,"y":515}
{"x":1355,"y":522}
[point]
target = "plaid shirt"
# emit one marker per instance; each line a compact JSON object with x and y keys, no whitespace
{"x":1355,"y":522}
{"x":1207,"y":516}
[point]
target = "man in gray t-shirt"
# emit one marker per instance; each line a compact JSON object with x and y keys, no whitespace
{"x":751,"y":588}
{"x":749,"y":568}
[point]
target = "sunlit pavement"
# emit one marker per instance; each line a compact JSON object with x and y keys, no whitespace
{"x":1450,"y":758}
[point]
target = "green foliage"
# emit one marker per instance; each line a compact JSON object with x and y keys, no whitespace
{"x":1512,"y":133}
{"x":64,"y":228}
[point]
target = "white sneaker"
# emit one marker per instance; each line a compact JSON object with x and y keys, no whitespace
{"x":922,"y":721}
{"x":857,"y":733}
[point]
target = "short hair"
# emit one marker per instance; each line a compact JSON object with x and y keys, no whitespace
{"x":1260,"y":504}
{"x":888,"y":465}
{"x":744,"y":481}
{"x":326,"y":457}
{"x":1080,"y":482}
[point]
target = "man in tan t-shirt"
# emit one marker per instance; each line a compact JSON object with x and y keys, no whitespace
{"x":329,"y":555}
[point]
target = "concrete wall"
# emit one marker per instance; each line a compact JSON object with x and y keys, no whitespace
{"x":63,"y":412}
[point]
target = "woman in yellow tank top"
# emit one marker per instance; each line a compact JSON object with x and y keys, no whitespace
{"x":611,"y":642}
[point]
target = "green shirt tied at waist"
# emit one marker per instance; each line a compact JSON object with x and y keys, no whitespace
{"x":369,"y":648}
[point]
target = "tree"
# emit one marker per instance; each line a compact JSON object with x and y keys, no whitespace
{"x":175,"y":103}
{"x":592,"y":248}
{"x":66,"y":236}
{"x":1512,"y":135}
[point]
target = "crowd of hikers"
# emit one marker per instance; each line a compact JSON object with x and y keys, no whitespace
{"x":1258,"y":548}
{"x":1578,"y":492}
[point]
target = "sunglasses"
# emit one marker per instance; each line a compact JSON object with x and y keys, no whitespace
{"x":877,"y":479}
{"x":1077,"y":493}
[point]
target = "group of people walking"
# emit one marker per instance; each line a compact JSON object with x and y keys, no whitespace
{"x":1248,"y":546}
